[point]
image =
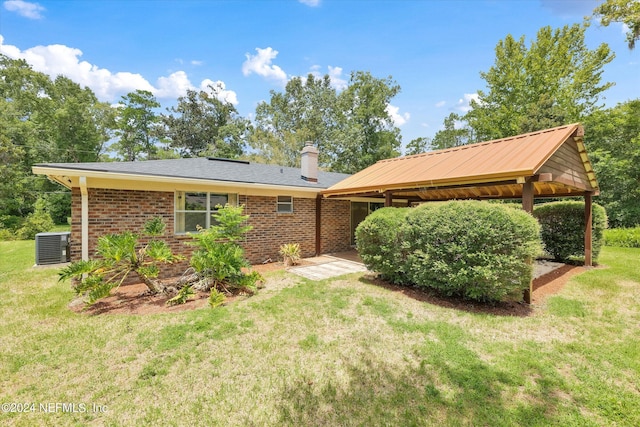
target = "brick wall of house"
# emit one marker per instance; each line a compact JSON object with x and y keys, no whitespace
{"x":113,"y":211}
{"x":335,"y":229}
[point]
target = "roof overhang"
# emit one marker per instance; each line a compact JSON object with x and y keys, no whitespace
{"x":70,"y":177}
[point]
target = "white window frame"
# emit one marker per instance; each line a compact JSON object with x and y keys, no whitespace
{"x":180,"y":197}
{"x":280,"y":203}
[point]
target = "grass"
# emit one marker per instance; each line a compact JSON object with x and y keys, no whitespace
{"x":338,"y":352}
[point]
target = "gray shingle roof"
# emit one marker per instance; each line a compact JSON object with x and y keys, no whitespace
{"x":210,"y":169}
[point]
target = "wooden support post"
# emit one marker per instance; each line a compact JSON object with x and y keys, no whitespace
{"x":527,"y":205}
{"x":318,"y":225}
{"x":388,"y":198}
{"x":588,"y":220}
{"x":527,"y":197}
{"x":528,"y":293}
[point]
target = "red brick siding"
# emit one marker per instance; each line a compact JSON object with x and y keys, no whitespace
{"x":335,"y":230}
{"x":113,"y":211}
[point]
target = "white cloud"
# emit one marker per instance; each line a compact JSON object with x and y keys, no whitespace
{"x":261,"y":64}
{"x":59,"y":59}
{"x":398,"y":119}
{"x":196,"y":62}
{"x":335,"y":75}
{"x":219,"y":90}
{"x":24,"y":8}
{"x":441,"y":104}
{"x":311,"y":3}
{"x":464,"y":102}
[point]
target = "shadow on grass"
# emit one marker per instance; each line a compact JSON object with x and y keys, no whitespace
{"x":450,"y":385}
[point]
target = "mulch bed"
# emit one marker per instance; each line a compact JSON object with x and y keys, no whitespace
{"x":133,"y":299}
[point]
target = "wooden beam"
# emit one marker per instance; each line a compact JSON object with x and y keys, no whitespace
{"x":388,"y":198}
{"x":527,"y":197}
{"x":318,"y":224}
{"x":588,"y":220}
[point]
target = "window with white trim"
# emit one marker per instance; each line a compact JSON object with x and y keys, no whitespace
{"x":285,"y":204}
{"x":196,"y":209}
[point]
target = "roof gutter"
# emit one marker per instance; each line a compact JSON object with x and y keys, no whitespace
{"x":57,"y":173}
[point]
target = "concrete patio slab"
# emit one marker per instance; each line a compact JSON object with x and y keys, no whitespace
{"x":326,"y":267}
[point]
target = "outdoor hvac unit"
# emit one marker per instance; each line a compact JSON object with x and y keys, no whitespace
{"x":52,"y":248}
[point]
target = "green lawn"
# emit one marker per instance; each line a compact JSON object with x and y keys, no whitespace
{"x":339,"y":352}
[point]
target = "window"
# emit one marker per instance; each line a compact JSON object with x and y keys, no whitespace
{"x":285,"y":204}
{"x":195,"y":210}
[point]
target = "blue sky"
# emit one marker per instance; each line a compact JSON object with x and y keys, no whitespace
{"x":434,"y":49}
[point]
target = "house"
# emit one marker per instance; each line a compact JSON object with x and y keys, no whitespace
{"x":283,"y":203}
{"x":317,"y":209}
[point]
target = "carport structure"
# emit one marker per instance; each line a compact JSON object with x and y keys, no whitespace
{"x":547,"y":163}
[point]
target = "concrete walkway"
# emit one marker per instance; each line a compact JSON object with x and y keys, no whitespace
{"x":327,"y":266}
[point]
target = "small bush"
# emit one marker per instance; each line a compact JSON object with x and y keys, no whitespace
{"x":290,"y":253}
{"x":475,"y":250}
{"x":36,"y":222}
{"x":619,"y":237}
{"x":562,"y":229}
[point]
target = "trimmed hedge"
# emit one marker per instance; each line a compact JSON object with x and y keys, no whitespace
{"x":471,"y":249}
{"x":562,"y":229}
{"x":382,"y":243}
{"x":618,"y":237}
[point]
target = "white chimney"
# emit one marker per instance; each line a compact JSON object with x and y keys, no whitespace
{"x":309,"y":162}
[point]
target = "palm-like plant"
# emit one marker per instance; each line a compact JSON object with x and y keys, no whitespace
{"x":117,"y":258}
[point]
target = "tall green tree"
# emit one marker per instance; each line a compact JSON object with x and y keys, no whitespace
{"x":626,"y":12}
{"x":137,"y":126}
{"x":203,"y":125}
{"x":418,"y":145}
{"x":43,"y":120}
{"x":365,"y":130}
{"x":456,"y":132}
{"x":305,"y":111}
{"x":556,"y":79}
{"x":613,"y":141}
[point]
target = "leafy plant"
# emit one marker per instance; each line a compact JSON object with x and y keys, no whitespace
{"x":216,"y":298}
{"x":117,"y":257}
{"x":182,"y":296}
{"x":290,"y":253}
{"x":219,"y":259}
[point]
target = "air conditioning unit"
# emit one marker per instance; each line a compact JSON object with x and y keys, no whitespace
{"x":52,"y":248}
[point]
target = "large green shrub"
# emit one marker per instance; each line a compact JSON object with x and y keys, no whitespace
{"x":475,"y":250}
{"x":38,"y":221}
{"x":618,"y":237}
{"x":562,"y":229}
{"x":382,"y":243}
{"x":471,"y":249}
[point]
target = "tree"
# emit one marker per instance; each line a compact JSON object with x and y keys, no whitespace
{"x":456,"y":132}
{"x":203,"y":125}
{"x":42,"y":120}
{"x":418,"y":146}
{"x":613,"y":142}
{"x":365,"y":132}
{"x":305,"y":111}
{"x":625,"y":11}
{"x":352,"y":129}
{"x":136,"y":126}
{"x":555,"y":80}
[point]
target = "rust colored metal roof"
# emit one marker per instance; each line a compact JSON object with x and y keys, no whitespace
{"x":503,"y":161}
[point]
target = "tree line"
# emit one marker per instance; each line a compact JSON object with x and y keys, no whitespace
{"x":553,"y":80}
